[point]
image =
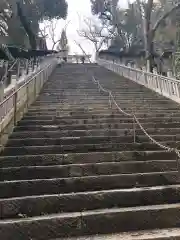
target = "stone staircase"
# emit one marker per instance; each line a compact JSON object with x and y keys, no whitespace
{"x":71,"y":167}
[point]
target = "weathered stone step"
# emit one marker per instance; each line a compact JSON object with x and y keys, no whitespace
{"x":91,"y":93}
{"x":104,"y":105}
{"x":56,"y":120}
{"x":98,"y":106}
{"x":80,"y":158}
{"x":102,"y":113}
{"x":62,"y":116}
{"x":95,"y":97}
{"x":92,"y":222}
{"x":25,"y":122}
{"x":107,"y":126}
{"x":21,"y":188}
{"x":83,"y":148}
{"x":157,"y":234}
{"x":74,"y":106}
{"x":77,"y":89}
{"x":44,"y":141}
{"x":121,"y":99}
{"x":54,"y":133}
{"x":85,"y":102}
{"x":86,"y":169}
{"x":47,"y":94}
{"x":84,"y":86}
{"x":79,"y":202}
{"x":89,"y":118}
{"x":68,"y":112}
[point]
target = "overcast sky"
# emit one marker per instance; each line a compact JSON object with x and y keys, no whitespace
{"x":77,"y":9}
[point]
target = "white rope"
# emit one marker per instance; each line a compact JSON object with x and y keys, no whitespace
{"x":152,"y":139}
{"x":111,"y":99}
{"x":118,"y":107}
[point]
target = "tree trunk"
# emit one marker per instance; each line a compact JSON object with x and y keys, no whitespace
{"x":27,"y":27}
{"x":150,"y":32}
{"x":148,"y":37}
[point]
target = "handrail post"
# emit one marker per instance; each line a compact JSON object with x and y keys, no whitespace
{"x":35,"y":90}
{"x":27,"y":95}
{"x":6,"y":72}
{"x":18,"y":68}
{"x":1,"y":91}
{"x":27,"y":66}
{"x":15,"y":107}
{"x":134,"y":130}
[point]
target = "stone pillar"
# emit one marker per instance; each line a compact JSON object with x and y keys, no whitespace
{"x":145,"y":75}
{"x":1,"y":91}
{"x":14,"y":80}
{"x":169,"y":73}
{"x":155,"y":70}
{"x":30,"y":69}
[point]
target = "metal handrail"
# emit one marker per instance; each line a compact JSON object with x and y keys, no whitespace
{"x":16,"y":91}
{"x":22,"y":96}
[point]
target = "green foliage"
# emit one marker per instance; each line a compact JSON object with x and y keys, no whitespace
{"x":39,"y":10}
{"x":103,"y":8}
{"x":129,"y":22}
{"x":53,"y":9}
{"x":25,"y":20}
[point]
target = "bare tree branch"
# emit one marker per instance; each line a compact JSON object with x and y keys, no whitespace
{"x":96,"y":33}
{"x":80,"y":46}
{"x":158,"y":23}
{"x":54,"y":43}
{"x":48,"y":30}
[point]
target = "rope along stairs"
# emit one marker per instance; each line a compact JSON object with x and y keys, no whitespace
{"x":73,"y":168}
{"x":135,"y":119}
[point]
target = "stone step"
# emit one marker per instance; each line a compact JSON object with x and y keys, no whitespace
{"x":89,"y":118}
{"x":19,"y":188}
{"x":92,"y":90}
{"x":157,"y":234}
{"x":101,"y":114}
{"x":81,"y":158}
{"x":77,"y":89}
{"x":84,"y":86}
{"x":89,"y":97}
{"x":98,"y":126}
{"x":95,"y":96}
{"x":44,"y":141}
{"x":46,"y":95}
{"x":83,"y":148}
{"x":85,"y":169}
{"x":137,"y":105}
{"x":56,"y":133}
{"x":68,"y":107}
{"x":65,"y":94}
{"x":78,"y":202}
{"x":103,"y":221}
{"x":97,"y":106}
{"x":98,"y":116}
{"x":56,"y":120}
{"x":87,"y":112}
